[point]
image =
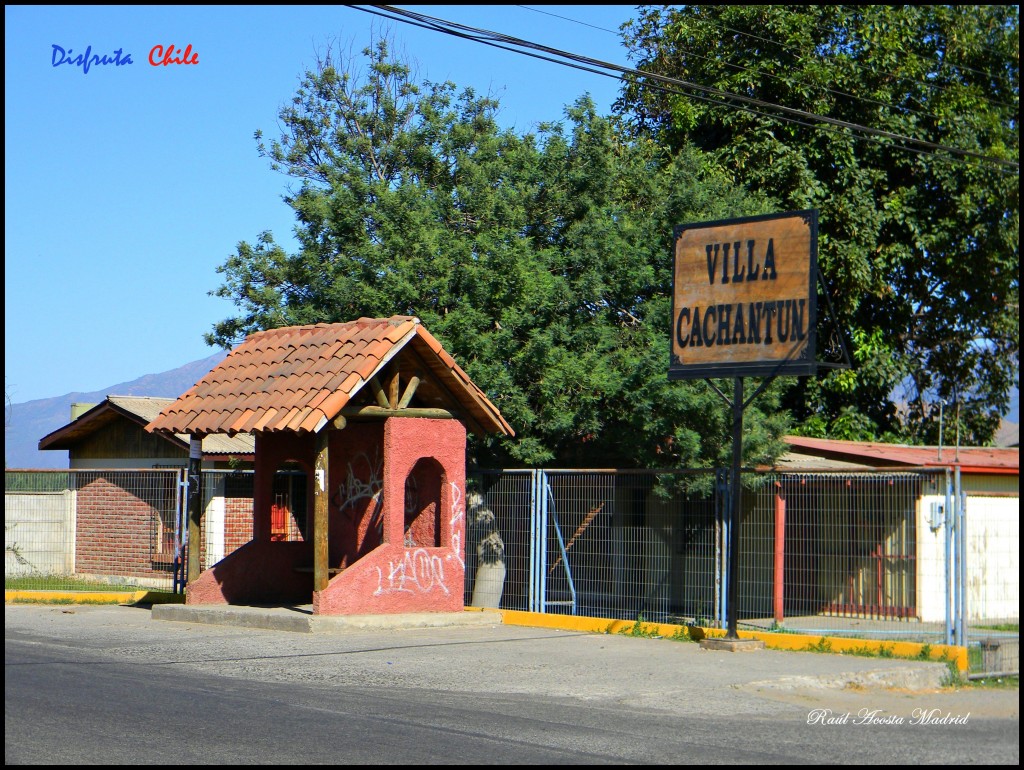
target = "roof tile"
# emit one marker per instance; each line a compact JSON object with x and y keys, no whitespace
{"x":291,"y":378}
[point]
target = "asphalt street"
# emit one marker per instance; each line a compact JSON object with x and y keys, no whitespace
{"x":82,"y":683}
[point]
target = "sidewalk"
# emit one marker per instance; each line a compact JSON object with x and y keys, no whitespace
{"x":785,"y":669}
{"x":300,"y":618}
{"x":503,"y":652}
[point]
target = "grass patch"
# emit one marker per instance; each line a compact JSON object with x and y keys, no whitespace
{"x":975,"y":658}
{"x":63,"y":583}
{"x":862,"y":652}
{"x":822,"y":645}
{"x":1015,"y":627}
{"x":681,"y":634}
{"x":654,"y":631}
{"x":644,"y":632}
{"x":996,"y":682}
{"x":65,"y":601}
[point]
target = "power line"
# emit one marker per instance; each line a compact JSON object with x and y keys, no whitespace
{"x":597,"y":66}
{"x":783,"y":46}
{"x":567,"y":18}
{"x":763,"y":74}
{"x":857,"y":66}
{"x":825,"y":89}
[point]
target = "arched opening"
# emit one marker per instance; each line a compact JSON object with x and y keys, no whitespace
{"x":289,"y":504}
{"x":423,"y":504}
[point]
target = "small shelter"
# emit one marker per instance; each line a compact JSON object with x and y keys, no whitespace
{"x":375,"y":413}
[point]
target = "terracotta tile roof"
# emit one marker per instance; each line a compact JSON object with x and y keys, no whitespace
{"x":298,"y":378}
{"x":976,"y":459}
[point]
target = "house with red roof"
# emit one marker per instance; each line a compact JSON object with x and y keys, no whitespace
{"x":869,"y":528}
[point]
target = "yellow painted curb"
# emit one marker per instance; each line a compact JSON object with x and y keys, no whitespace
{"x":95,"y":597}
{"x":793,"y":642}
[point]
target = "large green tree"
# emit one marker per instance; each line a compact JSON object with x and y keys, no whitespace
{"x":913,"y":169}
{"x":542,"y":261}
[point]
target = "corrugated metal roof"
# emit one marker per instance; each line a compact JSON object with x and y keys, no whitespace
{"x":981,"y":459}
{"x":297,"y":378}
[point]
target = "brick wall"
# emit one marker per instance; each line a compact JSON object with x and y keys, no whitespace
{"x":120,"y":520}
{"x":237,"y":512}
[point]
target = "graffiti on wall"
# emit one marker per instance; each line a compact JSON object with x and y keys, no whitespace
{"x":457,"y":517}
{"x":417,"y":571}
{"x":364,"y":481}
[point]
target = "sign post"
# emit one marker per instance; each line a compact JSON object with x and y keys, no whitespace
{"x":744,"y":303}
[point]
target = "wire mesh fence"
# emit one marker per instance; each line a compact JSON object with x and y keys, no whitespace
{"x":227,"y":522}
{"x":615,"y":544}
{"x":89,"y":530}
{"x":866,"y":555}
{"x":914,"y":556}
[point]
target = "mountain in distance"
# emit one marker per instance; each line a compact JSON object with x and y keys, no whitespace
{"x":29,"y":421}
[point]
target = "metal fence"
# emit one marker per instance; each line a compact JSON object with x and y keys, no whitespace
{"x":890,"y":556}
{"x":124,"y":529}
{"x":911,"y":555}
{"x":95,"y":529}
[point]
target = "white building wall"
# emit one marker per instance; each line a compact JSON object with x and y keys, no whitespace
{"x":931,"y":560}
{"x":39,"y":533}
{"x":993,"y":559}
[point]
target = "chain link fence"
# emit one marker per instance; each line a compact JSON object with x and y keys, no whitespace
{"x":90,"y":530}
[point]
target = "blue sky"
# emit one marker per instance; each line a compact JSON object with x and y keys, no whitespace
{"x":126,"y":186}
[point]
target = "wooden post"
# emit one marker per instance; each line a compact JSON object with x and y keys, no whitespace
{"x":410,"y":391}
{"x":379,"y":394}
{"x":393,"y":388}
{"x":321,"y":496}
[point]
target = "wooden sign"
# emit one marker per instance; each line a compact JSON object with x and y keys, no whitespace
{"x":743,"y":297}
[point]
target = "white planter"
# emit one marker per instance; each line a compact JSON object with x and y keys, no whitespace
{"x":489,"y":583}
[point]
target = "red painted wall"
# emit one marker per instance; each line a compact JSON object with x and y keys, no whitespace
{"x":356,"y":485}
{"x":396,"y":524}
{"x":393,"y":577}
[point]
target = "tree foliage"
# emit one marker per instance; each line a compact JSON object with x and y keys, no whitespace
{"x":919,"y":244}
{"x":541,"y":261}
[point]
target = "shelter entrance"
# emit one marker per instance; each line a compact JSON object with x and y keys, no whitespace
{"x":289,"y":511}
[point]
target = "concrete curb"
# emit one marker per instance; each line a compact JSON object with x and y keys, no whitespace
{"x":303,"y":621}
{"x":94,"y":597}
{"x":168,"y":606}
{"x":923,"y":678}
{"x":938,"y":653}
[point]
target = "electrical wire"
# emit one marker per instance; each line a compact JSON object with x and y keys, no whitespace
{"x":932,"y":86}
{"x":763,"y":74}
{"x":596,"y":66}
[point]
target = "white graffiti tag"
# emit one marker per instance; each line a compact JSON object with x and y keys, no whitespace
{"x":458,"y":513}
{"x":368,"y":485}
{"x":418,"y":570}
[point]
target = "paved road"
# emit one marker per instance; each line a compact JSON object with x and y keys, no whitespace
{"x":110,"y":684}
